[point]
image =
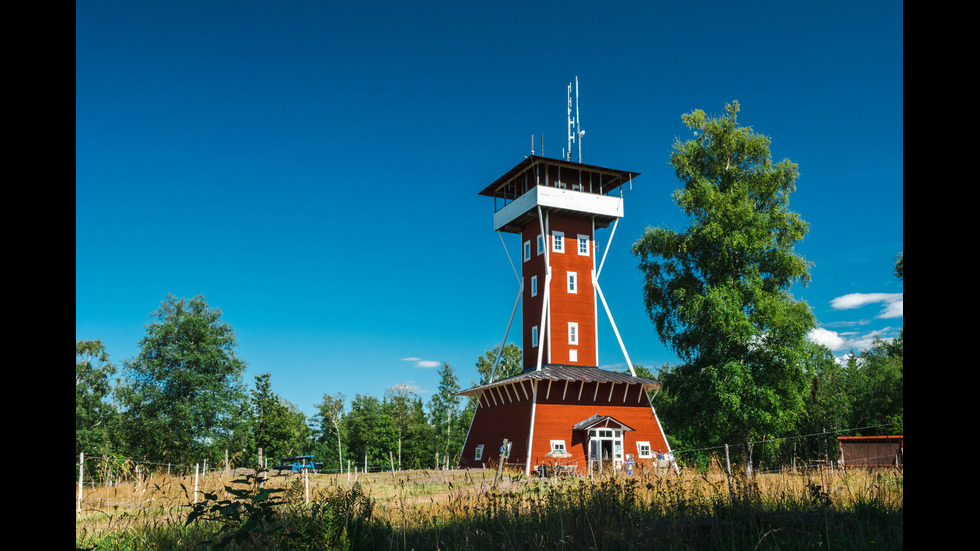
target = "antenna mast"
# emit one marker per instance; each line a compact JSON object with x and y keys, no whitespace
{"x":578,"y":123}
{"x":575,"y":131}
{"x":571,"y":124}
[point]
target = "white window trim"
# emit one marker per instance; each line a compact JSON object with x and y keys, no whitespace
{"x":582,"y":236}
{"x":534,"y":286}
{"x":479,"y":453}
{"x":572,"y":332}
{"x":534,"y":336}
{"x":639,"y":449}
{"x":572,"y":286}
{"x":527,"y":250}
{"x":558,"y":241}
{"x":540,"y":245}
{"x":573,"y":355}
{"x":558,"y":445}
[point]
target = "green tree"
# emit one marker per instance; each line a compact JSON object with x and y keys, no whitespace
{"x":329,"y":421}
{"x":404,"y":407}
{"x":278,"y":426}
{"x":510,"y":363}
{"x":370,"y":431}
{"x":718,"y":293}
{"x":184,"y":389}
{"x":877,"y":387}
{"x":448,"y":423}
{"x":94,"y":410}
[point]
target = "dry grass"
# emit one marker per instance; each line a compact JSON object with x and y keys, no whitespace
{"x":465,"y":509}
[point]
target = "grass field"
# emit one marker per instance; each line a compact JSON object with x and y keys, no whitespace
{"x":467,"y":510}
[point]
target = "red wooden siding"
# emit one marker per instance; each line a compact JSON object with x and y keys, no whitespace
{"x":510,"y":418}
{"x":553,"y":419}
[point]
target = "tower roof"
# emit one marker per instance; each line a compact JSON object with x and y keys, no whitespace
{"x":555,"y":372}
{"x":611,"y":178}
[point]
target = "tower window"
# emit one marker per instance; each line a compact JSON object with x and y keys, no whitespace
{"x":534,"y":336}
{"x":573,"y":355}
{"x":534,"y":286}
{"x":572,"y":333}
{"x":558,"y":241}
{"x":540,"y":244}
{"x":572,"y":283}
{"x":583,"y":245}
{"x":527,"y":251}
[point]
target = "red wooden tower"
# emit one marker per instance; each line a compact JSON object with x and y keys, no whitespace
{"x":562,"y":405}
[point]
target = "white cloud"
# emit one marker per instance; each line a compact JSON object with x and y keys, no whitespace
{"x":893,"y":303}
{"x":425,"y":364}
{"x":826,"y":337}
{"x":847,"y":341}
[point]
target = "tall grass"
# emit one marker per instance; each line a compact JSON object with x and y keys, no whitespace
{"x":467,"y":510}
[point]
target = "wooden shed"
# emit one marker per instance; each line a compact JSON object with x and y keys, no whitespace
{"x":872,"y":451}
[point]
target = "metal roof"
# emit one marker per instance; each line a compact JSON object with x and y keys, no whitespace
{"x":599,"y":419}
{"x":560,"y":372}
{"x":618,"y":177}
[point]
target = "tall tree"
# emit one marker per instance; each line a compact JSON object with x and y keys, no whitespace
{"x":329,"y":420}
{"x":510,"y":363}
{"x":370,"y":431}
{"x":719,"y":293}
{"x":444,"y":410}
{"x":93,"y":390}
{"x":184,"y":388}
{"x":278,"y":426}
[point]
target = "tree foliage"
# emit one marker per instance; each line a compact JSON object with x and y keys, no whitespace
{"x":94,"y":410}
{"x":510,"y":363}
{"x":719,"y":292}
{"x":183,"y":390}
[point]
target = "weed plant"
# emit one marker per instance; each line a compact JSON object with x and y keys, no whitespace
{"x":468,"y":510}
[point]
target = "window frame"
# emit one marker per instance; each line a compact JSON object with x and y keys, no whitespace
{"x":478,"y":455}
{"x":558,"y":242}
{"x":534,"y":336}
{"x":640,"y":444}
{"x":534,"y":286}
{"x":527,"y":250}
{"x":573,"y":333}
{"x":571,"y":281}
{"x":583,"y":239}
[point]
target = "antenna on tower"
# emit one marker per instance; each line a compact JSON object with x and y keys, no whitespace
{"x":571,"y":124}
{"x":575,"y":132}
{"x":578,"y":123}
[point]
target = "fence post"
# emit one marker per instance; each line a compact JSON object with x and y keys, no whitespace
{"x":81,"y":478}
{"x":196,"y":467}
{"x":728,"y":472}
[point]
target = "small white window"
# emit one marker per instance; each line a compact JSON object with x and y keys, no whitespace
{"x":561,"y":185}
{"x":479,"y":453}
{"x":558,"y":241}
{"x":540,"y":244}
{"x":643,"y":449}
{"x":572,"y":283}
{"x":583,"y":245}
{"x":572,"y":333}
{"x":577,"y":187}
{"x":573,"y":355}
{"x":534,"y":336}
{"x":527,"y":251}
{"x":534,"y":286}
{"x":558,"y":446}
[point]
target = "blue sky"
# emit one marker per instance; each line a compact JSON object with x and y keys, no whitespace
{"x":312,"y":168}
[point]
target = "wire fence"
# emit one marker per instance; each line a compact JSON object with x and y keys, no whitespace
{"x":106,"y":481}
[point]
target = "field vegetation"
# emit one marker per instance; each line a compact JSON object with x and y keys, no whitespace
{"x":473,"y":509}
